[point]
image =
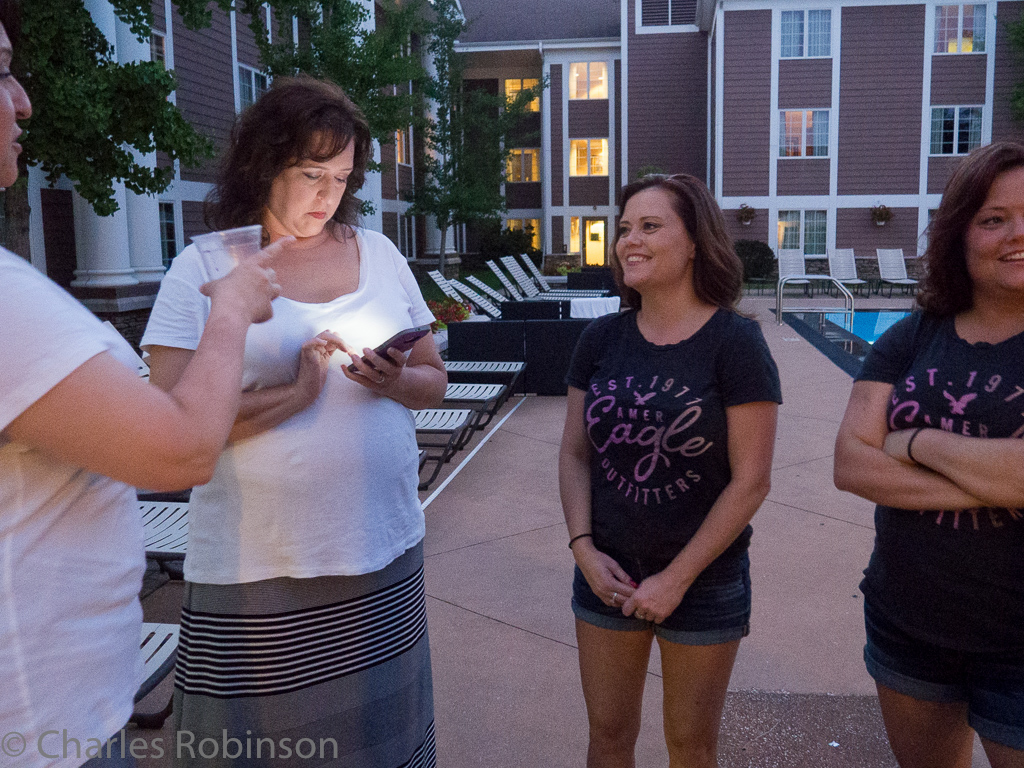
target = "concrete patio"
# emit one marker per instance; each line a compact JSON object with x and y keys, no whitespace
{"x":507,"y":687}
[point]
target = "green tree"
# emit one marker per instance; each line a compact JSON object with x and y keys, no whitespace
{"x":465,"y":139}
{"x":90,"y":112}
{"x":1015,"y":36}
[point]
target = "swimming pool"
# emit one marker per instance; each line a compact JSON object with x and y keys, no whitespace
{"x":832,"y":334}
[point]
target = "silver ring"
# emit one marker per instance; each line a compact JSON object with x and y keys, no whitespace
{"x":615,"y":596}
{"x":381,"y":379}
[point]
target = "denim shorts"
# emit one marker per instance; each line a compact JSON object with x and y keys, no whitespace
{"x":992,"y":684}
{"x":716,"y":609}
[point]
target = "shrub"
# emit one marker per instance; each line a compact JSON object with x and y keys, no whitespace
{"x":757,"y":257}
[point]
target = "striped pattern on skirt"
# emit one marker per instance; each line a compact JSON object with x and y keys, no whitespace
{"x":331,"y":671}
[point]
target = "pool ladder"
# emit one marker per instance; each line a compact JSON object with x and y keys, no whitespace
{"x":847,"y":298}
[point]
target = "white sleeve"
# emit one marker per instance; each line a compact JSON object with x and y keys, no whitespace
{"x":181,"y":311}
{"x":47,"y":335}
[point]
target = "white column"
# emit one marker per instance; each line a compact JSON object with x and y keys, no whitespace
{"x":101,"y":242}
{"x":372,"y":191}
{"x":143,"y":211}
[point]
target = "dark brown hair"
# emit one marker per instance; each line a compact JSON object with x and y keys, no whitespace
{"x":299,"y":118}
{"x":947,"y":288}
{"x":717,"y":270}
{"x":10,"y":17}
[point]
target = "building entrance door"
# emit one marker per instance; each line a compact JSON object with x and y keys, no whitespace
{"x":594,"y":242}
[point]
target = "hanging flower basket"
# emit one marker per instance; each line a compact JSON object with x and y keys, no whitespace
{"x":881,"y":215}
{"x":745,"y":214}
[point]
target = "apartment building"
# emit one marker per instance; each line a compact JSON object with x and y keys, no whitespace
{"x":810,"y":114}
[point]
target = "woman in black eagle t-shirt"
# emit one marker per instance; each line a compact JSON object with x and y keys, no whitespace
{"x":666,"y":456}
{"x":932,"y":436}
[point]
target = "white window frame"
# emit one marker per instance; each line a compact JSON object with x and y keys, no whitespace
{"x":516,"y":158}
{"x":956,"y":129}
{"x":960,"y":30}
{"x":805,"y":46}
{"x":158,"y":47}
{"x":251,"y":73}
{"x":642,"y":28}
{"x":803,"y":230}
{"x":162,"y":208}
{"x":588,"y":65}
{"x":590,"y":160}
{"x":815,"y":118}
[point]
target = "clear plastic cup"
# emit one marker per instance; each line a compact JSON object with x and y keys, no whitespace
{"x":221,"y":251}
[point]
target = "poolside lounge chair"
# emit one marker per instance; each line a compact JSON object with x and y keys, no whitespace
{"x":527,"y":286}
{"x":506,"y":283}
{"x":545,"y":287}
{"x":843,"y":267}
{"x":165,"y":532}
{"x":479,"y":301}
{"x":486,"y":372}
{"x":446,"y":288}
{"x":440,"y":432}
{"x":483,"y":399}
{"x":158,"y":648}
{"x":791,"y":262}
{"x":892,"y":269}
{"x":486,"y":289}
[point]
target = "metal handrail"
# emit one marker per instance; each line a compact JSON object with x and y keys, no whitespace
{"x":847,"y":297}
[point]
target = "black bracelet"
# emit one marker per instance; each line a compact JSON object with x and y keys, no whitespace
{"x":581,"y":536}
{"x":910,"y":442}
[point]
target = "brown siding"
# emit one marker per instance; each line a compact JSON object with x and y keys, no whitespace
{"x":880,"y":99}
{"x":157,"y":8}
{"x":668,"y":102}
{"x":755,"y":230}
{"x":389,"y":226}
{"x":939,"y":171}
{"x":713,"y":122}
{"x":588,"y":118}
{"x":523,"y":195}
{"x":803,"y":176}
{"x":388,"y":179}
{"x":805,"y":83}
{"x":855,"y":229}
{"x":248,"y":53}
{"x":205,"y":93}
{"x":558,"y":145}
{"x":192,"y":219}
{"x":1009,"y":72}
{"x":558,"y":244}
{"x":616,"y":166}
{"x":588,"y":190}
{"x":59,"y":235}
{"x":404,"y":180}
{"x":958,"y":79}
{"x":746,"y":150}
{"x":526,"y":133}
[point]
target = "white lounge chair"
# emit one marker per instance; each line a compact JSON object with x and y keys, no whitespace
{"x":483,"y":399}
{"x":476,"y":282}
{"x":892,"y":270}
{"x":505,"y":282}
{"x":440,"y":432}
{"x":479,"y":301}
{"x":792,"y":264}
{"x":165,"y":530}
{"x":158,"y":648}
{"x":486,"y":372}
{"x":842,"y":266}
{"x":545,"y":287}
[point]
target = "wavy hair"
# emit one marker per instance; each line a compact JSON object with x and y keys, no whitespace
{"x":299,"y":118}
{"x":947,"y":288}
{"x":717,"y":270}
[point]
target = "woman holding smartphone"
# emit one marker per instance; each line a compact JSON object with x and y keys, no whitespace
{"x":304,"y":612}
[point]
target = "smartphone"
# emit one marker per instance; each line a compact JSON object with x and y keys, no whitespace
{"x":403,"y":341}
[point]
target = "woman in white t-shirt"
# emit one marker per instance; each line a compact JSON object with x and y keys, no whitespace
{"x":304,"y":611}
{"x":78,"y":428}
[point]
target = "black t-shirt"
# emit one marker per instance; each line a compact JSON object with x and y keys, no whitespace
{"x":951,"y":577}
{"x":655,"y":416}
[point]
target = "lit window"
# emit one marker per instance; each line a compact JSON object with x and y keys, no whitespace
{"x":523,"y":165}
{"x":589,"y":157}
{"x":158,"y":47}
{"x":403,"y":155}
{"x":513,"y":87}
{"x":806,"y":33}
{"x":660,"y":13}
{"x":168,"y":239}
{"x":803,"y":230}
{"x":803,"y":133}
{"x":588,"y":80}
{"x":574,"y":234}
{"x":530,"y":225}
{"x":960,"y":29}
{"x":955,"y":130}
{"x":252,"y":84}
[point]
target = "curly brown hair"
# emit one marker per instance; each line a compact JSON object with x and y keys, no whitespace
{"x":947,"y":288}
{"x":717,"y":270}
{"x":299,"y":118}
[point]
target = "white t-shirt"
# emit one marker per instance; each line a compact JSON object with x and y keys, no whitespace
{"x":71,"y":550}
{"x":331,"y":490}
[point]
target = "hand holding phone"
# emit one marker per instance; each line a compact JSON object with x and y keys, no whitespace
{"x":403,"y":341}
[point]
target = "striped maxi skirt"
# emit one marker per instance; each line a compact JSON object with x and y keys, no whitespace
{"x":325,"y":672}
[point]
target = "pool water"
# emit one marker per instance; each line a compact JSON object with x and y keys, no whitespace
{"x":867,"y":325}
{"x":833,"y":335}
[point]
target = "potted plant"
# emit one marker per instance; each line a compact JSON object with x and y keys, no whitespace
{"x":745,"y":214}
{"x":881,"y":215}
{"x":447,"y":311}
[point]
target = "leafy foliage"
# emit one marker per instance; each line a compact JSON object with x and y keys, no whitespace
{"x":92,"y":113}
{"x":446,"y":311}
{"x":1015,"y":37}
{"x":757,"y":257}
